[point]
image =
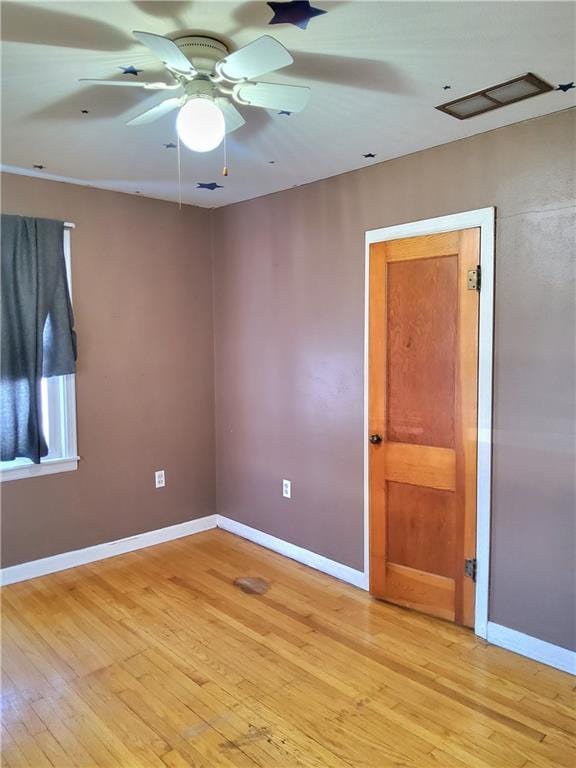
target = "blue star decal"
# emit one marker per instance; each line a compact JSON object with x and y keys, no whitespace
{"x":566,"y":86}
{"x":130,"y":70}
{"x":212,"y":186}
{"x":297,"y":12}
{"x":284,"y":112}
{"x":170,"y":145}
{"x":369,"y":154}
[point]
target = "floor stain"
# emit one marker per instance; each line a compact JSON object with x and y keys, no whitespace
{"x":254,"y":734}
{"x":252,"y":585}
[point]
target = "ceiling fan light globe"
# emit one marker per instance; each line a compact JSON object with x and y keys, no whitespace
{"x":200,"y":125}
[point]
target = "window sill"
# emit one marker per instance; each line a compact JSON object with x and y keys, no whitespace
{"x":47,"y":467}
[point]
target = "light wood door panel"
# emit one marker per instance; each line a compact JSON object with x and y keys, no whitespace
{"x":423,"y":370}
{"x":421,"y":339}
{"x":417,"y":516}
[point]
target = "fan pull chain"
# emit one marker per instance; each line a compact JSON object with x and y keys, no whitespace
{"x":179,"y":173}
{"x":225,"y":169}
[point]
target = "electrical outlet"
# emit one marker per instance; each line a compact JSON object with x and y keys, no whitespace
{"x":287,"y":489}
{"x":160,"y":478}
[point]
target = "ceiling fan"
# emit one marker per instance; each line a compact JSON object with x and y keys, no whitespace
{"x":207,"y":79}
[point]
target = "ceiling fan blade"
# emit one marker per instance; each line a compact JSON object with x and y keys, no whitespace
{"x":292,"y":98}
{"x":157,"y":112}
{"x":132,"y":84}
{"x":166,"y":50}
{"x":232,"y":118}
{"x":257,"y":58}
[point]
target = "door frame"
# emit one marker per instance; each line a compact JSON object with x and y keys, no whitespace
{"x":484,"y":218}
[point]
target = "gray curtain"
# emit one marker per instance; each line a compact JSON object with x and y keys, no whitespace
{"x":37,"y":335}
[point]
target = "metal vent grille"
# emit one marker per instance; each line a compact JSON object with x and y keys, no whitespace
{"x":496,"y":96}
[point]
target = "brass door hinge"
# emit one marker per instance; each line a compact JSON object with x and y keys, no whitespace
{"x":470,"y":568}
{"x":474,"y":278}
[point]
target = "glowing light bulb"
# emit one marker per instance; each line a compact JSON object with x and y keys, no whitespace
{"x":200,"y":125}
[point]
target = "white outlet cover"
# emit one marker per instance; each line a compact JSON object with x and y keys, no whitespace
{"x":287,"y":489}
{"x":160,"y":478}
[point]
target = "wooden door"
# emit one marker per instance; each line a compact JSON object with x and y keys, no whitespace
{"x":423,"y":372}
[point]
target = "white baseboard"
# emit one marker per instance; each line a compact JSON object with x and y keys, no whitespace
{"x":61,"y":562}
{"x":305,"y":556}
{"x":538,"y":650}
{"x":510,"y":639}
{"x":55,"y":563}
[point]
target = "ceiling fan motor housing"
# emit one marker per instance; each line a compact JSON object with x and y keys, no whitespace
{"x":203,"y":52}
{"x":200,"y":87}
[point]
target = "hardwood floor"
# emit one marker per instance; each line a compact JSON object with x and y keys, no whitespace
{"x":156,"y":658}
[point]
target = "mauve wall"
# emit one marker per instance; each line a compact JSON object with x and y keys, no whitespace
{"x":142,"y":284}
{"x":289,"y":329}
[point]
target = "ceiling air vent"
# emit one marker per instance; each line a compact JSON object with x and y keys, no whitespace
{"x":496,"y":96}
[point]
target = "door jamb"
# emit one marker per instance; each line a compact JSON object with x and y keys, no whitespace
{"x":485,"y":219}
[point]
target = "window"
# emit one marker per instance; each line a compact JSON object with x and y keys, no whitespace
{"x":58,"y":419}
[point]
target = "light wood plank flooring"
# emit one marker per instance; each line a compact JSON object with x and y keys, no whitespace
{"x":155,"y":658}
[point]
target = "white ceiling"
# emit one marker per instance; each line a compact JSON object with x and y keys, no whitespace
{"x":377,"y":69}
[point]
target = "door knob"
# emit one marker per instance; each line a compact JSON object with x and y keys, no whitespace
{"x":375,"y":439}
